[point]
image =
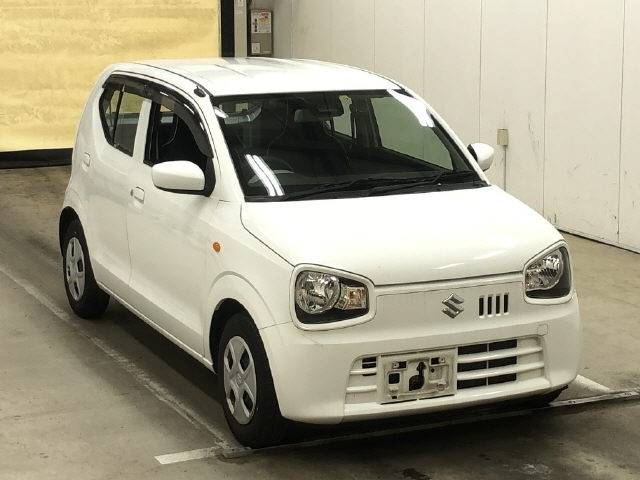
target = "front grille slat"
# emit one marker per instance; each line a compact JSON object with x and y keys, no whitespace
{"x":497,"y":362}
{"x":496,"y":354}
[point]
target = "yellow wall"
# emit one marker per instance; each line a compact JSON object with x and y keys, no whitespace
{"x":51,"y":52}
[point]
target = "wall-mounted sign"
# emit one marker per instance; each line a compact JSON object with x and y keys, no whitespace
{"x":260,"y":21}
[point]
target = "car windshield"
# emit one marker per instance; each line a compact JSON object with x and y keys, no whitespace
{"x":337,"y":144}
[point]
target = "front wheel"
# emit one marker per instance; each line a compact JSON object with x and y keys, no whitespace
{"x":249,"y":399}
{"x":85,"y":296}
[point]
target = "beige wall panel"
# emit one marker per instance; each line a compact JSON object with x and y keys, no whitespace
{"x":310,"y":31}
{"x":352,"y":36}
{"x":513,"y":93}
{"x":282,"y":25}
{"x":584,"y":80}
{"x":399,"y":41}
{"x":452,"y":65}
{"x":630,"y":161}
{"x":53,"y":50}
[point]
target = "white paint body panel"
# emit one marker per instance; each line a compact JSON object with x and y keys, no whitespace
{"x":406,"y":238}
{"x":154,"y":254}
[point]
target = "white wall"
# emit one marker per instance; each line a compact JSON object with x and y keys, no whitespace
{"x":630,"y":149}
{"x":562,"y":76}
{"x":512,"y":93}
{"x":584,"y":85}
{"x":452,"y":80}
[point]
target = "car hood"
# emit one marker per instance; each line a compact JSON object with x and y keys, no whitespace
{"x":411,"y":238}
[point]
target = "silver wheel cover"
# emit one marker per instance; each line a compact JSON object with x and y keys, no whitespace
{"x":75,"y":268}
{"x":239,"y":376}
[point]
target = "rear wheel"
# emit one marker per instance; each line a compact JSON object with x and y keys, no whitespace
{"x":85,"y":296}
{"x":249,"y":399}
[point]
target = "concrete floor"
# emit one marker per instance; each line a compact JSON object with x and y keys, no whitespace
{"x":102,"y":399}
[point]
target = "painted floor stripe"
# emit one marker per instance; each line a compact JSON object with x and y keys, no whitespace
{"x":189,"y":455}
{"x":142,"y":377}
{"x":230,"y":453}
{"x":591,"y":384}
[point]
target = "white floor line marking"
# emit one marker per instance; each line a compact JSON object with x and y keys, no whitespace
{"x":186,"y":456}
{"x":142,"y":377}
{"x":591,"y":384}
{"x":468,"y":420}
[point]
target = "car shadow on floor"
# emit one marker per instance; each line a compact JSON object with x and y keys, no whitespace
{"x":173,"y":356}
{"x":205,"y":381}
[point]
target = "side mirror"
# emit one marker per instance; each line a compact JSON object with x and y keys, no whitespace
{"x":483,"y":154}
{"x":178,"y":177}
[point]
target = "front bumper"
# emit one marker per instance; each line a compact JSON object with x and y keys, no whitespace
{"x":319,"y":376}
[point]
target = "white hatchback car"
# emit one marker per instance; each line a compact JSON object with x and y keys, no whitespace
{"x":318,"y":236}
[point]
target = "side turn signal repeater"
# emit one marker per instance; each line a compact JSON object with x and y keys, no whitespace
{"x":216,"y":247}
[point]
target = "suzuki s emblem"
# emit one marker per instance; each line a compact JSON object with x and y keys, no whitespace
{"x":453,"y":305}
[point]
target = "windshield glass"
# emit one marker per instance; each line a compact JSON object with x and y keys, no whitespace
{"x":336,"y":144}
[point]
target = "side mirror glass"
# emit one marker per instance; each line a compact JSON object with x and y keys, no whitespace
{"x":179,"y":176}
{"x":483,"y":154}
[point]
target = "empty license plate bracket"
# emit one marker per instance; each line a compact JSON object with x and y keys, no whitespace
{"x":417,"y":375}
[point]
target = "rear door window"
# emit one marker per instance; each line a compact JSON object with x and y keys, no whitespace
{"x":120,"y":113}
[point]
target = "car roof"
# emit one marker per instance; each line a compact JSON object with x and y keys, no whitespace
{"x":238,"y":76}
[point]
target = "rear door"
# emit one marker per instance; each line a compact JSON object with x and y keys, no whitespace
{"x":108,"y":163}
{"x":169,"y":233}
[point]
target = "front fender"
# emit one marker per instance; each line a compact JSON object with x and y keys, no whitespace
{"x":232,"y":286}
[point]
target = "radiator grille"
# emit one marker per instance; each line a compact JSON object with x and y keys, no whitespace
{"x":493,"y":305}
{"x":504,"y":361}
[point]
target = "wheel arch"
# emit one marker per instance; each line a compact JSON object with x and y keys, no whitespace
{"x":67,"y":216}
{"x":226,"y":309}
{"x":229,"y":295}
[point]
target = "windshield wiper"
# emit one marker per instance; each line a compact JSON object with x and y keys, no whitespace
{"x":451,"y":177}
{"x":352,"y":185}
{"x":375,"y":185}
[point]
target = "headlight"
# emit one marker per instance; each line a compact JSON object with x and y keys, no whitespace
{"x":324,"y":297}
{"x":549,"y":276}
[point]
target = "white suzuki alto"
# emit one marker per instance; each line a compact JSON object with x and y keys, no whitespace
{"x":317,"y":236}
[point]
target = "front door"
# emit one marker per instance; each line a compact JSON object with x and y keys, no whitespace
{"x":169,"y":237}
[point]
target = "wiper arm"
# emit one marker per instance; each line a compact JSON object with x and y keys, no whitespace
{"x":358,"y":184}
{"x":433,"y":180}
{"x":373,"y":184}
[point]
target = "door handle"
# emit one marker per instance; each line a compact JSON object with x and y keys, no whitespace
{"x":86,"y":159}
{"x":138,"y":194}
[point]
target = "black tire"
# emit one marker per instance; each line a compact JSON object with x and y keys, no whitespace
{"x":92,"y":302}
{"x":267,"y":426}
